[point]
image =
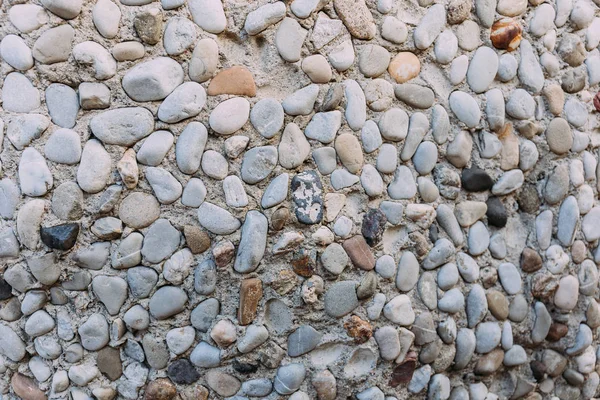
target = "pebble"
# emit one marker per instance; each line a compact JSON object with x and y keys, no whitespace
{"x":18,"y":94}
{"x":186,"y":101}
{"x":529,"y":71}
{"x":16,"y":53}
{"x":27,"y":17}
{"x":34,"y":176}
{"x":404,"y":67}
{"x":153,"y":80}
{"x":507,"y":67}
{"x":95,"y":60}
{"x":302,"y":101}
{"x":258,"y":163}
{"x":208,"y":15}
{"x":465,"y":108}
{"x":161,"y":231}
{"x":106,"y":16}
{"x":394,"y":30}
{"x":289,"y":378}
{"x":482,"y":69}
{"x":356,"y":17}
{"x":115,"y":127}
{"x":293,"y":148}
{"x":54,"y":45}
{"x":267,"y":117}
{"x":64,"y":147}
{"x":355,"y":105}
{"x":430,"y":26}
{"x":340,"y":299}
{"x":253,"y":242}
{"x":94,"y":332}
{"x":263,"y":17}
{"x":161,"y":309}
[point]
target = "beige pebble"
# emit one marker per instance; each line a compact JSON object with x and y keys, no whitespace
{"x":349,"y":151}
{"x":224,"y":333}
{"x":555,"y":97}
{"x":128,"y":51}
{"x":317,"y":68}
{"x":558,"y":136}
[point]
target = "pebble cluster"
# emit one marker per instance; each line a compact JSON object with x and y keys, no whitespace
{"x":307,"y":199}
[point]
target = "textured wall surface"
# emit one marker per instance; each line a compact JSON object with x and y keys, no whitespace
{"x":307,"y":199}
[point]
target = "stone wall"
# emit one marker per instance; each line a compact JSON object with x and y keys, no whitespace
{"x":307,"y":199}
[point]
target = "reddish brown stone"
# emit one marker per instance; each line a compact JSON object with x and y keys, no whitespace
{"x":303,"y":263}
{"x":506,"y":34}
{"x":223,"y":253}
{"x":160,"y":389}
{"x":250,"y":295}
{"x":403,"y":373}
{"x":235,"y":80}
{"x":197,"y":240}
{"x":358,"y":329}
{"x":26,"y":388}
{"x":530,"y":260}
{"x":597,"y":101}
{"x":557,"y":331}
{"x":359,"y":252}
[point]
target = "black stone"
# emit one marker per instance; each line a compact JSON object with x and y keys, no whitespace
{"x":307,"y":193}
{"x":476,"y":180}
{"x":5,"y":289}
{"x":538,"y":370}
{"x":496,"y":213}
{"x":183,"y":372}
{"x":528,"y":199}
{"x":373,"y":225}
{"x":60,"y":237}
{"x":244,"y":368}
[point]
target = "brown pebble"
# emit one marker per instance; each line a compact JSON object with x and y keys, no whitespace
{"x":26,"y":388}
{"x":197,"y":240}
{"x":195,"y":392}
{"x":497,"y":304}
{"x":160,"y":389}
{"x":557,"y":331}
{"x":506,"y":34}
{"x":224,"y":384}
{"x":597,"y":101}
{"x":223,"y":253}
{"x":109,"y":363}
{"x":578,"y":251}
{"x":279,"y":218}
{"x":358,"y":329}
{"x":403,"y":373}
{"x":235,"y":80}
{"x":489,"y":363}
{"x":250,"y":294}
{"x":359,"y":252}
{"x":530,"y":260}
